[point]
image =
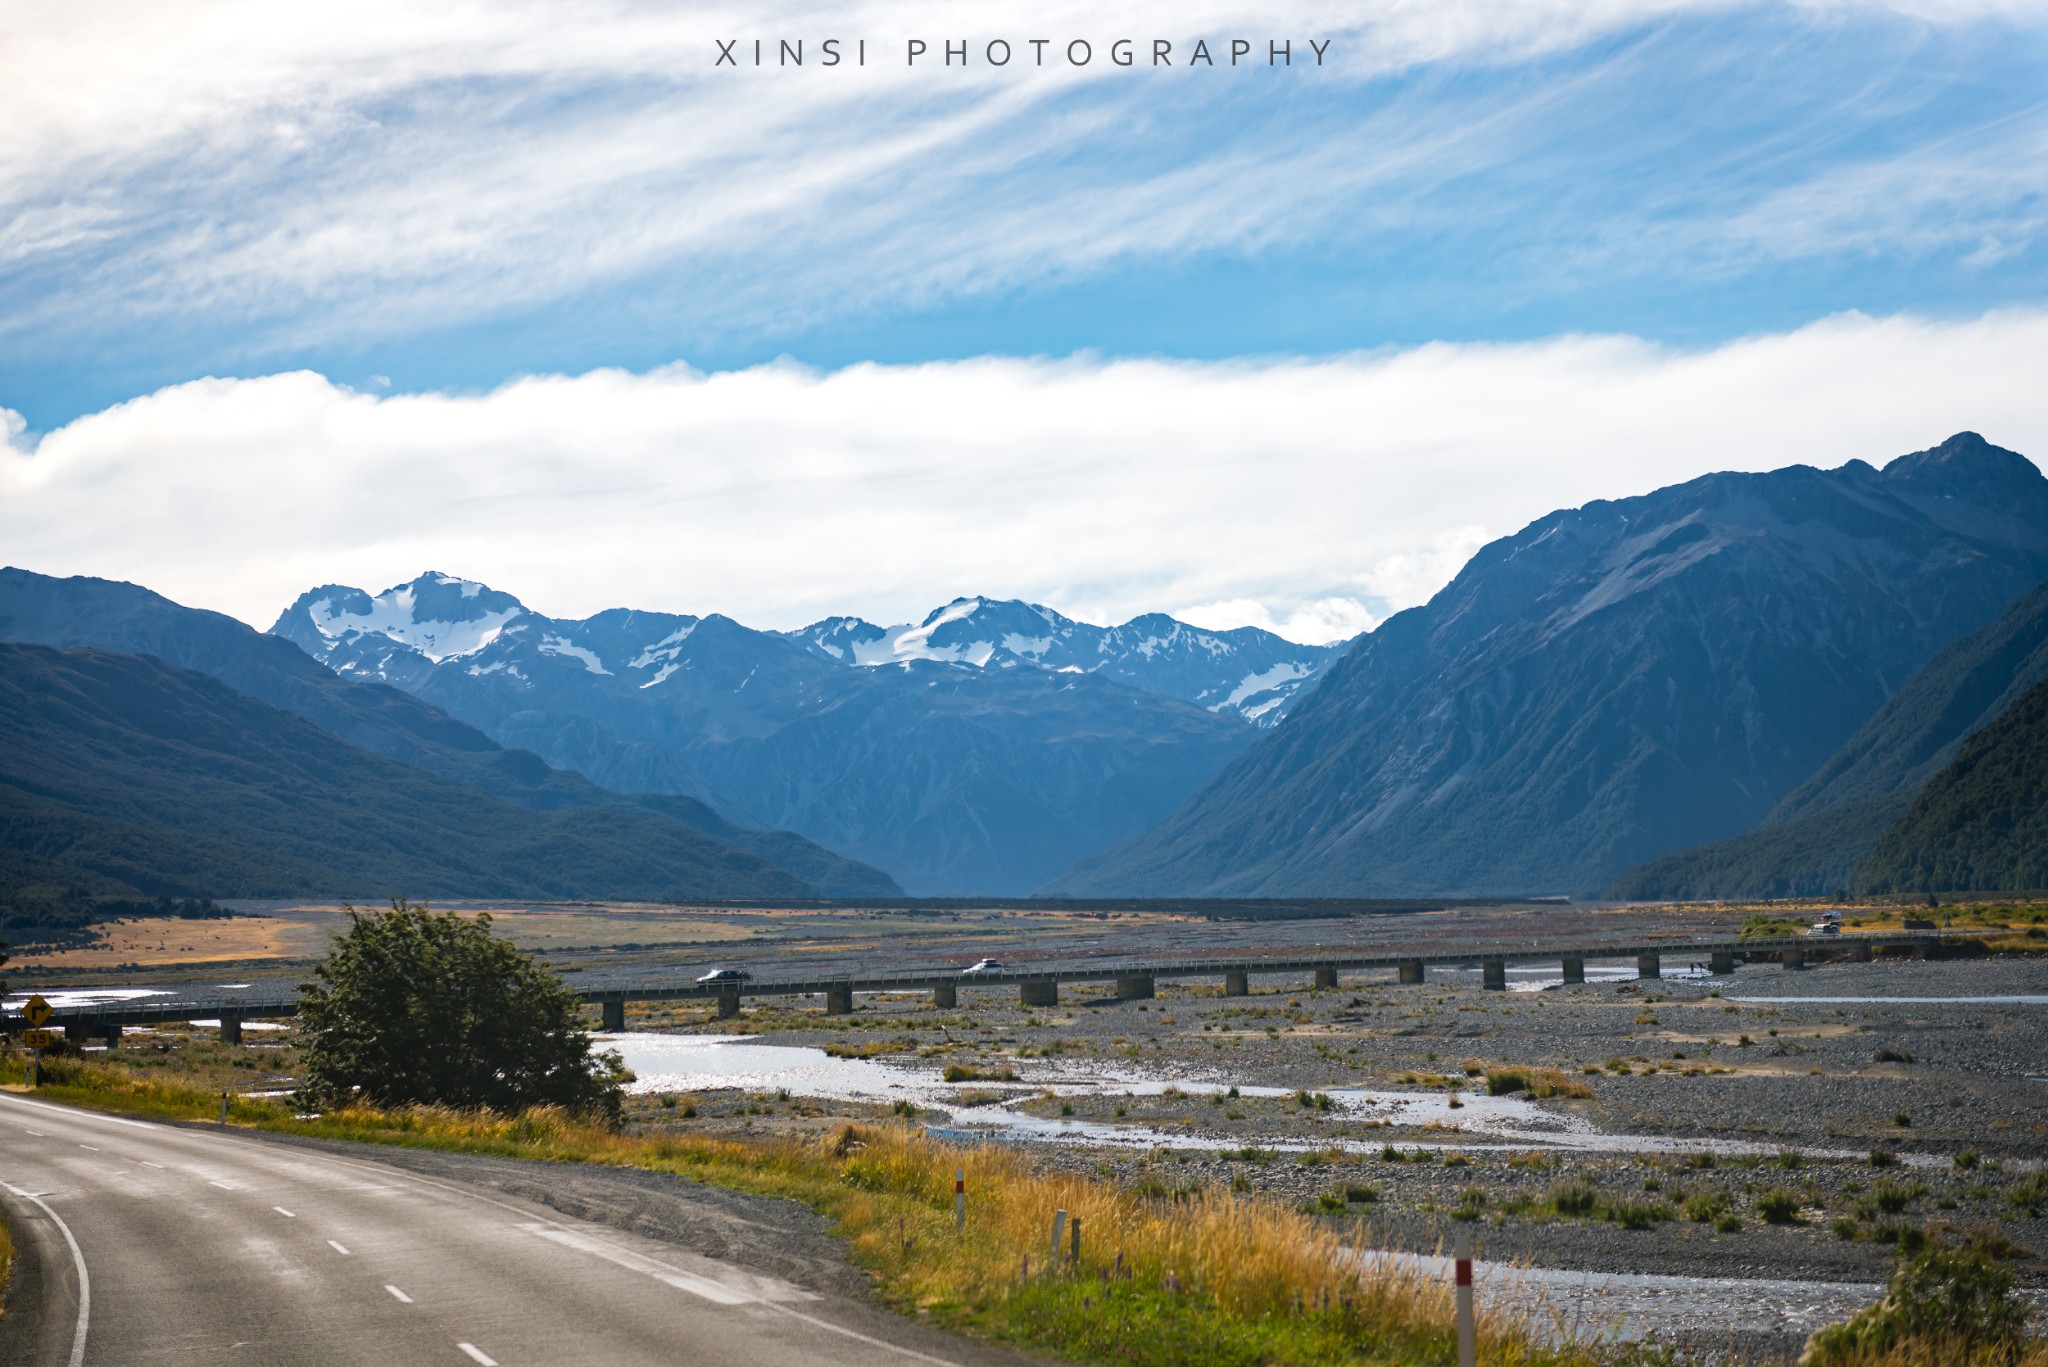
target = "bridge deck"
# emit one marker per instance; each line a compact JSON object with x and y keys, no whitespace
{"x":260,"y":1004}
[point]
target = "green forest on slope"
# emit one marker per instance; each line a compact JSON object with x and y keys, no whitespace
{"x":1981,"y":824}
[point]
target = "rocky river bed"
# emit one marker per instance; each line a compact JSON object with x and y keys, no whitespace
{"x":1722,"y":1160}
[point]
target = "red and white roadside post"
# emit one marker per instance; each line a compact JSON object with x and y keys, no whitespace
{"x":1468,"y":1341}
{"x":959,"y":1198}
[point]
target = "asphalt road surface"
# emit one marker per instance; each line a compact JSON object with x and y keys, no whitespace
{"x":148,"y":1243}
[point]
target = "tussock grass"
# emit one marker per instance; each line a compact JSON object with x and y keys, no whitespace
{"x":1536,"y":1082}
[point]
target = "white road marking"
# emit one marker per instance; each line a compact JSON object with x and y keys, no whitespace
{"x":478,"y":1355}
{"x":222,"y":1185}
{"x":37,"y":1133}
{"x":94,"y":1148}
{"x":84,"y":1281}
{"x":282,"y":1211}
{"x":405,"y":1299}
{"x":715,"y":1292}
{"x":147,"y":1164}
{"x":337,"y":1248}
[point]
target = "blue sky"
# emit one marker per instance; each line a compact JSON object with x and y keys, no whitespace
{"x":407,"y":205}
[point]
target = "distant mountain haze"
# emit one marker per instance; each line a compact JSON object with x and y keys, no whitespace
{"x":1812,"y":840}
{"x":123,"y":772}
{"x":1610,"y":684}
{"x":983,"y":751}
{"x":106,"y":615}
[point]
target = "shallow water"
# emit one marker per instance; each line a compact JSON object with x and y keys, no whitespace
{"x":682,"y":1063}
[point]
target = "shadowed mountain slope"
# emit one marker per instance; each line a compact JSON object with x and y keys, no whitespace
{"x":164,"y":780}
{"x":1812,"y":839}
{"x":1981,"y":824}
{"x":1609,"y":684}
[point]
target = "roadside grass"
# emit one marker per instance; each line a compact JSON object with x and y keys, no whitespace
{"x":6,"y":1260}
{"x":1207,"y":1276}
{"x":1163,"y":1277}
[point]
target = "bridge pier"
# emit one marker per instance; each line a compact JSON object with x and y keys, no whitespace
{"x":838,"y":1001}
{"x":1575,"y":970}
{"x":1135,"y":989}
{"x":1411,"y":971}
{"x":1721,"y":962}
{"x":1792,"y":956}
{"x":728,"y":1005}
{"x":1237,"y":983}
{"x":1326,"y":978}
{"x":945,"y":996}
{"x":111,"y":1033}
{"x":1929,"y":949}
{"x":612,"y":1017}
{"x":1493,"y":975}
{"x":230,"y":1027}
{"x":1046,"y":993}
{"x":1859,"y":952}
{"x":1649,"y":966}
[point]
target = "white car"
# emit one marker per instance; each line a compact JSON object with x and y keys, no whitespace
{"x":726,"y":975}
{"x":1826,"y":928}
{"x":984,"y":966}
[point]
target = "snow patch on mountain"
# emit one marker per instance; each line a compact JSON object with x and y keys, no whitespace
{"x":667,"y":648}
{"x":394,"y":614}
{"x":559,"y":645}
{"x":661,"y":674}
{"x":1252,"y":684}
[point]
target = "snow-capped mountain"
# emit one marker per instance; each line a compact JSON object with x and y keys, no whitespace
{"x":1248,"y":672}
{"x":950,"y":774}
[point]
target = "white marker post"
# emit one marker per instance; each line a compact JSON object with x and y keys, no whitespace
{"x":1059,"y":1235}
{"x":1468,"y":1341}
{"x":959,"y":1198}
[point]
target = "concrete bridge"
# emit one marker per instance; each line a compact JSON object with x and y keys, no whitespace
{"x":1135,"y":979}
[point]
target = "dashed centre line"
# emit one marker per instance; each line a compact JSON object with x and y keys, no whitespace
{"x":93,"y":1147}
{"x":222,"y":1185}
{"x":147,"y":1164}
{"x":478,"y":1355}
{"x":337,"y":1248}
{"x":402,"y":1297}
{"x":282,"y":1211}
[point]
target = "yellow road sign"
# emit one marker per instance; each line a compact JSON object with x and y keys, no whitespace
{"x":39,"y":1039}
{"x":36,"y":1009}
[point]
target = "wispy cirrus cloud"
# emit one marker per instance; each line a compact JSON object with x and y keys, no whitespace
{"x":288,"y":178}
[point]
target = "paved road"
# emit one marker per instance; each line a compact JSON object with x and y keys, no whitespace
{"x":145,"y":1243}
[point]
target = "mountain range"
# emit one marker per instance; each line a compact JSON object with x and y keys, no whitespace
{"x":1749,"y":684}
{"x":1612,"y":683}
{"x":984,"y":750}
{"x":116,"y":617}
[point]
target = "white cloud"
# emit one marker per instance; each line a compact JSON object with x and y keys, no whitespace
{"x":1301,"y":494}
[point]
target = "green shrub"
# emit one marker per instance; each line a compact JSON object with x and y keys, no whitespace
{"x":1706,"y":1207}
{"x":1941,"y":1297}
{"x":1778,"y":1207}
{"x":1574,"y":1196}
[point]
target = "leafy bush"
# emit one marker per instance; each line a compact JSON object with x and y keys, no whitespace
{"x":1706,"y":1207}
{"x":411,"y":1008}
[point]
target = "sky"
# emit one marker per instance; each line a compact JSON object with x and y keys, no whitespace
{"x":540,"y":294}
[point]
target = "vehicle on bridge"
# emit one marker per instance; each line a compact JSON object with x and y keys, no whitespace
{"x":726,"y":975}
{"x":984,"y":966}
